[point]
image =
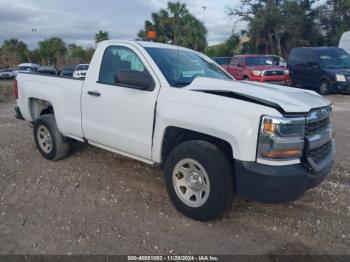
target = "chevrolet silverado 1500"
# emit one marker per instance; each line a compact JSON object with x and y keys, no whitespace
{"x":213,"y":136}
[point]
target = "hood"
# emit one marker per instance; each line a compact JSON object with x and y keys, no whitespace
{"x":342,"y":71}
{"x":267,"y":67}
{"x":284,"y":99}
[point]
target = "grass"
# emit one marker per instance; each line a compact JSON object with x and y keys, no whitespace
{"x":6,"y":83}
{"x":6,"y":91}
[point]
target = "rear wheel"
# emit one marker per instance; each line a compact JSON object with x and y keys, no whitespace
{"x":49,"y":141}
{"x":198,"y":178}
{"x":324,"y":87}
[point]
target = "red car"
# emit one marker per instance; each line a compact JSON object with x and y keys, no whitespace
{"x":260,"y":68}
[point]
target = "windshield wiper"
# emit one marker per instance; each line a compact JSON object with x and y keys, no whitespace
{"x":181,"y":84}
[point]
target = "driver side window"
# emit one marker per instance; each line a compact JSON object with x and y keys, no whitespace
{"x":115,"y":59}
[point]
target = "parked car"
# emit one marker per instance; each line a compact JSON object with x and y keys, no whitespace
{"x":222,"y":60}
{"x":80,"y":71}
{"x":68,"y":71}
{"x":344,"y":42}
{"x":324,"y":69}
{"x":27,"y":68}
{"x":260,"y":68}
{"x":47,"y":70}
{"x":212,"y":136}
{"x":7,"y":74}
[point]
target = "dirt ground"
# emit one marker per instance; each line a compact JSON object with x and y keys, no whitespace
{"x":96,"y":202}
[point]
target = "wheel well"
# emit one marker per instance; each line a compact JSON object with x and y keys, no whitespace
{"x":174,"y":136}
{"x":39,"y":107}
{"x":322,"y":78}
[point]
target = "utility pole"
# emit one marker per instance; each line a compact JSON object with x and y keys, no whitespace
{"x":204,"y":9}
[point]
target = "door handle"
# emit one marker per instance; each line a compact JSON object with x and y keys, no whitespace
{"x":94,"y":93}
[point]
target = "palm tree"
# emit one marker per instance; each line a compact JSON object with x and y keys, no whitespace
{"x":178,"y":11}
{"x":101,"y":36}
{"x":178,"y":25}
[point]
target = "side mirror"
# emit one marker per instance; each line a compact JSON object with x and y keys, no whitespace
{"x":134,"y":79}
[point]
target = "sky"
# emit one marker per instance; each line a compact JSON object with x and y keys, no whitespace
{"x":77,"y":21}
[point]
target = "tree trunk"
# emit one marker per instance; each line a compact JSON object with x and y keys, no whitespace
{"x":278,"y":39}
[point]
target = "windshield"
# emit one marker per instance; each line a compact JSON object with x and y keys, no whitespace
{"x":277,"y":60}
{"x":25,"y":68}
{"x":181,"y":67}
{"x":259,"y":61}
{"x":334,"y":59}
{"x":82,"y":67}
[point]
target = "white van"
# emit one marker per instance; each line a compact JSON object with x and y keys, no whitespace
{"x":345,"y":42}
{"x":27,"y":67}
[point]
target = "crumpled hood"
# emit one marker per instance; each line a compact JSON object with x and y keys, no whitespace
{"x":290,"y":100}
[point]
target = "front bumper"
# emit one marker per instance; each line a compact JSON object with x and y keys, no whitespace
{"x":273,"y":184}
{"x":277,"y":80}
{"x":341,"y":87}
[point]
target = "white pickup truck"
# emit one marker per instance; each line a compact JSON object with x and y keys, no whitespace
{"x":214,"y":137}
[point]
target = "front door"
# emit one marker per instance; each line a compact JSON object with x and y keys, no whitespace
{"x":116,"y":116}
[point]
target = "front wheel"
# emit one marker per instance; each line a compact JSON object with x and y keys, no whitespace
{"x":324,"y":87}
{"x":198,"y":178}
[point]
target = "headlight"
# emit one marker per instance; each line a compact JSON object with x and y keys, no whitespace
{"x":286,"y":72}
{"x":256,"y":73}
{"x":281,"y":138}
{"x":340,"y":78}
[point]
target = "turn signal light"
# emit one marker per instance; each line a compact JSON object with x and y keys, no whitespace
{"x":269,"y":127}
{"x":282,"y":154}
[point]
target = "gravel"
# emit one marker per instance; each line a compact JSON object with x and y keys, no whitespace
{"x":96,"y":202}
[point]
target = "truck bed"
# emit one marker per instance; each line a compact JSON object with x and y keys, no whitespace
{"x":66,"y":92}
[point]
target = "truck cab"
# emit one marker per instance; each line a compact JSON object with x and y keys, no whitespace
{"x":213,"y":137}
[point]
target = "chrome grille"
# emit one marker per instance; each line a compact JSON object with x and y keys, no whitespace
{"x":316,"y":127}
{"x":319,"y":153}
{"x":317,"y":121}
{"x":318,"y":135}
{"x":273,"y":73}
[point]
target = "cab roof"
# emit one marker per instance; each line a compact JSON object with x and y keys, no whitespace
{"x":148,"y":44}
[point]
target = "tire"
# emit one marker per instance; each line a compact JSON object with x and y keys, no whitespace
{"x":324,"y":88}
{"x":245,"y":78}
{"x":49,"y":141}
{"x":217,"y":180}
{"x":292,"y":82}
